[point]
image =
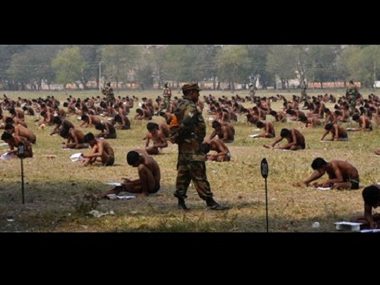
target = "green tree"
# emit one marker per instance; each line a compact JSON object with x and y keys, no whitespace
{"x":233,"y":63}
{"x":258,"y":70}
{"x":33,"y":65}
{"x":345,"y":65}
{"x":364,"y":65}
{"x":69,"y":66}
{"x":120,"y":62}
{"x":282,"y":63}
{"x":144,"y":72}
{"x":211,"y":71}
{"x":321,"y":64}
{"x":92,"y":56}
{"x":6,"y":53}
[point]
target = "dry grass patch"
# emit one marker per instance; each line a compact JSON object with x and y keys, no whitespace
{"x":54,"y":188}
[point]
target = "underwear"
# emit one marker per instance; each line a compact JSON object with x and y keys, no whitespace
{"x":110,"y":161}
{"x":157,"y":187}
{"x":354,"y":183}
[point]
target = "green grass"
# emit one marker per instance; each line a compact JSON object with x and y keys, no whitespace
{"x":54,"y":188}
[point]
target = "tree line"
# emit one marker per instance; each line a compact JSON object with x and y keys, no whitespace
{"x":152,"y":65}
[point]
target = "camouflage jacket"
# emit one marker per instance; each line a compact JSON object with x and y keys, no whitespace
{"x":352,"y":90}
{"x":190,"y":130}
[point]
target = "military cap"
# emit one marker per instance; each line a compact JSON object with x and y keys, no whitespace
{"x":190,"y":86}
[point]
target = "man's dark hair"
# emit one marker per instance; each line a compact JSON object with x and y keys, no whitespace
{"x":216,"y":124}
{"x":355,"y":117}
{"x":9,"y":126}
{"x":6,"y":136}
{"x":57,"y":120}
{"x":371,"y":195}
{"x":151,"y":126}
{"x":318,"y":162}
{"x":117,"y":118}
{"x":103,"y":104}
{"x":64,"y":132}
{"x":285,"y":133}
{"x":12,"y":110}
{"x":84,"y":117}
{"x":206,"y":147}
{"x":9,"y":120}
{"x":328,"y":126}
{"x":89,"y":137}
{"x":259,"y":124}
{"x":303,"y":118}
{"x":273,"y":113}
{"x":132,"y":157}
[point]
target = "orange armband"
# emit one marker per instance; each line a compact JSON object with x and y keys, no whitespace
{"x":173,"y":122}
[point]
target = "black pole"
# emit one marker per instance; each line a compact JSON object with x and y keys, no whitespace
{"x":266,"y":204}
{"x":21,"y":152}
{"x":22,"y":179}
{"x":264,"y":172}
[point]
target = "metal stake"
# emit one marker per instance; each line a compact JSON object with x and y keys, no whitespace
{"x":264,"y":172}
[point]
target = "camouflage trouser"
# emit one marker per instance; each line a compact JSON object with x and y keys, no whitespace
{"x":352,"y":102}
{"x":110,"y":100}
{"x":167,"y":101}
{"x":194,"y":171}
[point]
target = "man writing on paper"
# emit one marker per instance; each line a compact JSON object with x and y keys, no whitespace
{"x":371,"y":197}
{"x":149,"y":177}
{"x":342,"y":175}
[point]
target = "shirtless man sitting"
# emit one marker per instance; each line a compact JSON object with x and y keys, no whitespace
{"x":338,"y":133}
{"x":100,"y":148}
{"x":149,"y":176}
{"x":268,"y":129}
{"x":224,"y":130}
{"x":74,"y":138}
{"x":220,"y":150}
{"x":157,"y":137}
{"x":20,"y":130}
{"x":295,"y":140}
{"x":341,"y":175}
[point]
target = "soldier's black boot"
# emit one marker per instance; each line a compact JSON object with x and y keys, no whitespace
{"x":181,"y":204}
{"x":213,"y":205}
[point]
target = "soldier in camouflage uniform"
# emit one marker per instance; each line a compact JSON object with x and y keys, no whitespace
{"x":188,"y":130}
{"x":352,"y":94}
{"x":167,"y":93}
{"x":252,"y":92}
{"x":108,"y":92}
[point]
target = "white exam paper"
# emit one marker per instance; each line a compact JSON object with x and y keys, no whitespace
{"x":76,"y":157}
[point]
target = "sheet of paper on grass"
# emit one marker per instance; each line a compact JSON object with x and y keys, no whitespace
{"x":3,"y":144}
{"x":320,"y":188}
{"x":125,"y":197}
{"x":352,"y":226}
{"x":324,"y":188}
{"x":121,"y":197}
{"x":370,"y":231}
{"x":76,"y":157}
{"x":113,"y":183}
{"x":6,"y":155}
{"x":254,"y":135}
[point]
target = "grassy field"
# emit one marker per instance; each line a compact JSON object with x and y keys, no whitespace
{"x":54,"y":187}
